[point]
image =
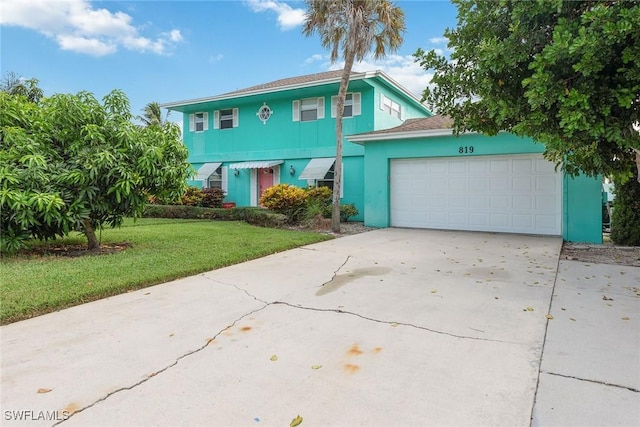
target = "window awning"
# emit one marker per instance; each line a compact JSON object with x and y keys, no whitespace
{"x":317,"y":168}
{"x":256,"y":165}
{"x":205,"y":171}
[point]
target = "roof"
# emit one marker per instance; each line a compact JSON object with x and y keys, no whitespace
{"x":298,"y":82}
{"x":411,"y":128}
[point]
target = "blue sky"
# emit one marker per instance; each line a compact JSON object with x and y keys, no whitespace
{"x":175,"y":50}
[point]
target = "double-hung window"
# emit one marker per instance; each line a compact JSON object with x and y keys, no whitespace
{"x":308,"y":110}
{"x":351,"y":105}
{"x":225,"y":119}
{"x":198,"y":122}
{"x":390,"y":106}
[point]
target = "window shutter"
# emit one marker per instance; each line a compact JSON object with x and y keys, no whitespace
{"x":225,"y":180}
{"x":334,"y":106}
{"x":401,"y":112}
{"x":321,"y":108}
{"x":216,"y":119}
{"x":235,"y":117}
{"x":342,"y":181}
{"x":356,"y":104}
{"x":192,"y":122}
{"x":382,"y":101}
{"x":205,"y":117}
{"x":296,"y":111}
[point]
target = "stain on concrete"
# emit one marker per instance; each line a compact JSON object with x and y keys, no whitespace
{"x":351,"y":369}
{"x":339,"y":280}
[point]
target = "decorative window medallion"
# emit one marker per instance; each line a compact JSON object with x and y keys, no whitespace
{"x":264,"y":113}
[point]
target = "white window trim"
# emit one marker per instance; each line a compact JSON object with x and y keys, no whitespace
{"x":384,"y":98}
{"x":356,"y":108}
{"x":192,"y":122}
{"x":216,"y":118}
{"x":297,"y":108}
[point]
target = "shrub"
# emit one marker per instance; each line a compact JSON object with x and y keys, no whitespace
{"x":285,"y":199}
{"x":318,"y":202}
{"x":192,"y":197}
{"x":212,"y":198}
{"x":347,"y":211}
{"x":625,"y":219}
{"x":251,"y":215}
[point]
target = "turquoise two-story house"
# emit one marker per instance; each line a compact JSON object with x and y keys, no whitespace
{"x":284,"y":132}
{"x":402,"y":166}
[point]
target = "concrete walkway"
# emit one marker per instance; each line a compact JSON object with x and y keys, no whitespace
{"x":392,"y":327}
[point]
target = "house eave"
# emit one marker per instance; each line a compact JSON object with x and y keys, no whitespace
{"x":364,"y":138}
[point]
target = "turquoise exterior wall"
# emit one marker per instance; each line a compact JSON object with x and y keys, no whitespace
{"x":582,"y":210}
{"x":294,"y":142}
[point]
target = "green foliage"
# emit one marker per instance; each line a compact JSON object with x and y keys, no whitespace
{"x":212,"y":197}
{"x":318,"y":202}
{"x":347,"y":211}
{"x":192,"y":196}
{"x":251,"y":215}
{"x":14,"y":85}
{"x":71,"y":163}
{"x":285,"y":199}
{"x":564,"y":73}
{"x":625,"y":221}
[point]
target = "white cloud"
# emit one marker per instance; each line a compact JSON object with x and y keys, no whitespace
{"x":288,"y":17}
{"x":314,"y":58}
{"x":216,"y":58}
{"x":80,"y":27}
{"x":438,"y":40}
{"x":400,"y":68}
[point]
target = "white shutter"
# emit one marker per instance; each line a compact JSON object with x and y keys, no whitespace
{"x":401,"y":111}
{"x":235,"y":118}
{"x":342,"y":181}
{"x":205,"y":117}
{"x":321,"y":108}
{"x":296,"y":111}
{"x":356,"y":104}
{"x":334,"y":106}
{"x":216,"y":119}
{"x":382,"y":101}
{"x":192,"y":122}
{"x":225,"y":179}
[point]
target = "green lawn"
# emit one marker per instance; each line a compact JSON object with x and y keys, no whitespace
{"x":161,"y":250}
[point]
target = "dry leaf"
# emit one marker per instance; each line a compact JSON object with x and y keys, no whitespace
{"x":606,"y":298}
{"x":316,"y":367}
{"x":273,"y":358}
{"x":571,"y":318}
{"x":44,"y":390}
{"x":626,"y":318}
{"x":549,"y":316}
{"x":529,"y":308}
{"x":394,"y":324}
{"x":296,"y":421}
{"x":434,"y":291}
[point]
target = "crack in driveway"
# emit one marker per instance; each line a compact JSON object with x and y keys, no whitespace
{"x":592,"y":381}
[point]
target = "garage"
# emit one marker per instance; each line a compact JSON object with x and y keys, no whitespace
{"x":515,"y":194}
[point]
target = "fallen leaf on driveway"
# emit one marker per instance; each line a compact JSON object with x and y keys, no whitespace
{"x":273,"y":358}
{"x":529,"y":308}
{"x":434,"y":291}
{"x":571,"y":318}
{"x":625,"y":318}
{"x":606,"y":298}
{"x":316,"y":367}
{"x":44,"y":390}
{"x":394,"y":324}
{"x":549,"y":316}
{"x":296,"y":421}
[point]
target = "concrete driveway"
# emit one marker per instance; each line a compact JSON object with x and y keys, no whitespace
{"x":392,"y":327}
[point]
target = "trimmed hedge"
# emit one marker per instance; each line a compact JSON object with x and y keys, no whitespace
{"x":251,"y":215}
{"x":625,"y":219}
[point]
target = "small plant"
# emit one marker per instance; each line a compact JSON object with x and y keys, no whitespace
{"x":347,"y":211}
{"x":212,"y":198}
{"x":285,"y":199}
{"x":192,"y":197}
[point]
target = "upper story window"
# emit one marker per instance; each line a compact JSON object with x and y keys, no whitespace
{"x":225,"y":119}
{"x":309,"y":109}
{"x":198,"y":122}
{"x":390,"y":106}
{"x":351,"y":105}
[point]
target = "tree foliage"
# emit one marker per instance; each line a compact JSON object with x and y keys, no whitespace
{"x":152,"y":115}
{"x":71,"y":163}
{"x":565,"y":73}
{"x":352,"y":27}
{"x":13,"y":84}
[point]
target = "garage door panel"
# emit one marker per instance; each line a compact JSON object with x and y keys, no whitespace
{"x":510,"y":193}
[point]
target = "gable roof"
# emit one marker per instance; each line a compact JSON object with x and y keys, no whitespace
{"x":412,"y":128}
{"x":297,"y":82}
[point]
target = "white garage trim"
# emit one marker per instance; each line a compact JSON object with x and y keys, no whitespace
{"x":507,"y":193}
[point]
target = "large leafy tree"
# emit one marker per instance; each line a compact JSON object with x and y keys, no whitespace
{"x":351,"y":29}
{"x":566,"y":73}
{"x":152,"y":115}
{"x":13,"y":84}
{"x":71,"y":163}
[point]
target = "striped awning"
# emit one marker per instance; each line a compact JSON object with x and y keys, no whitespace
{"x":205,"y":171}
{"x":256,"y":165}
{"x":317,"y":168}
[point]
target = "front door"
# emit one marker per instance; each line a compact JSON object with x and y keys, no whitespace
{"x":265,"y":180}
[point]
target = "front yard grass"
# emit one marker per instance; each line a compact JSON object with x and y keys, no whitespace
{"x":160,"y":250}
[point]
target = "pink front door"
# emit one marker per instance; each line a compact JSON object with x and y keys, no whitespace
{"x":265,"y":180}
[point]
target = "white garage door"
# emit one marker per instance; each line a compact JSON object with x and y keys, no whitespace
{"x":514,"y":194}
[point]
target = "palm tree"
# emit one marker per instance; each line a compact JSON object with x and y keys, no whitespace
{"x":352,"y":27}
{"x":152,"y":115}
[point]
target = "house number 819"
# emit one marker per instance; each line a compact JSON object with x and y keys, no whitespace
{"x":465,"y":150}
